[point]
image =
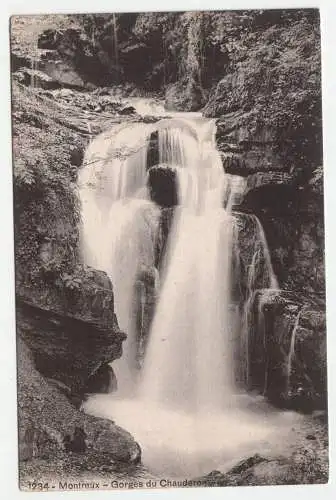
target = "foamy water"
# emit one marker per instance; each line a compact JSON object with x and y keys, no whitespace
{"x":186,"y":445}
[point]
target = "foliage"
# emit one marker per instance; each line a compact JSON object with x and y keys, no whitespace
{"x":273,"y":82}
{"x":46,"y":208}
{"x":153,"y":50}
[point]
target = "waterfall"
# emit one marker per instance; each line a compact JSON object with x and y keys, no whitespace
{"x":109,"y":183}
{"x":184,"y":405}
{"x":188,"y":362}
{"x":119,"y":226}
{"x":260,"y":275}
{"x":291,"y":352}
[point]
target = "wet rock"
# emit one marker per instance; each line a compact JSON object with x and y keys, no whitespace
{"x":112,"y":440}
{"x":304,"y":466}
{"x":288,"y":351}
{"x":247,"y":464}
{"x":163,"y":185}
{"x":267,"y":472}
{"x":102,"y":381}
{"x":76,"y":155}
{"x":249,"y":258}
{"x":146,"y":300}
{"x":153,"y":158}
{"x":290,"y":209}
{"x":165,"y":223}
{"x":127,"y":110}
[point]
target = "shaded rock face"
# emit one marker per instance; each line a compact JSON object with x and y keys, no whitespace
{"x":47,"y":71}
{"x":29,"y":77}
{"x":49,"y":424}
{"x":288,"y":350}
{"x":146,"y":299}
{"x":289,"y":204}
{"x":66,"y":326}
{"x":66,"y":349}
{"x":271,"y":97}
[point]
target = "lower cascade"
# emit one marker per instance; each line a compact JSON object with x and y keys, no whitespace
{"x":185,"y":369}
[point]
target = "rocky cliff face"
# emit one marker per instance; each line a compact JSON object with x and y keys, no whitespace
{"x":268,"y":110}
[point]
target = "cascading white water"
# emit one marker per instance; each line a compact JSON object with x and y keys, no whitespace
{"x":188,"y":365}
{"x":185,"y":410}
{"x":119,"y":225}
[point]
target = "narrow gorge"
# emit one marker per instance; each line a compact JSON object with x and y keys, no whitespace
{"x":170,"y":246}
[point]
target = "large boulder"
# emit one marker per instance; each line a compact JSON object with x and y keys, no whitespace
{"x":49,"y":425}
{"x":54,"y":325}
{"x":162,"y":184}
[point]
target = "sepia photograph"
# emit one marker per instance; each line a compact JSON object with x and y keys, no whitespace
{"x":169,"y":249}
